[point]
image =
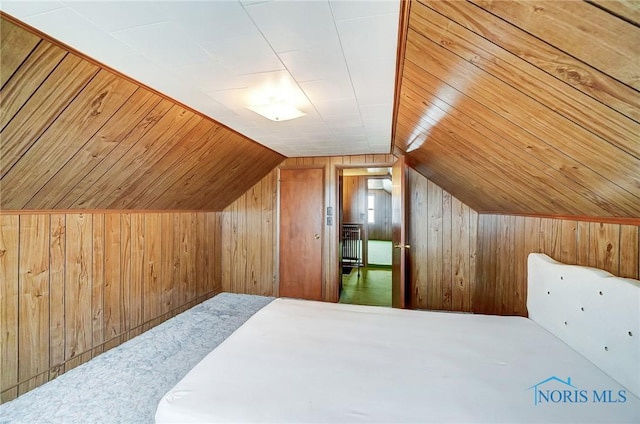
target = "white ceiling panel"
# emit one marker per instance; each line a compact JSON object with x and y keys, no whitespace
{"x":295,"y":25}
{"x":243,"y":55}
{"x":115,"y":16}
{"x":342,"y":106}
{"x":316,"y":64}
{"x":319,"y":91}
{"x":349,"y":9}
{"x":164,"y":43}
{"x":22,"y":9}
{"x":87,"y":37}
{"x":333,"y":60}
{"x":210,"y":76}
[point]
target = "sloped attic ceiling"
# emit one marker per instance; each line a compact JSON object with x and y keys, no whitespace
{"x":76,"y":136}
{"x":526,"y":107}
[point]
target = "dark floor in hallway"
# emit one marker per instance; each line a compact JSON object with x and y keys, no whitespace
{"x":372,"y":287}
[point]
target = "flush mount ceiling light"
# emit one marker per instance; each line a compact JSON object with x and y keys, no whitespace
{"x":277,"y":110}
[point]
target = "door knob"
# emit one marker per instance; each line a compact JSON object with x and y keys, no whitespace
{"x":401,"y":246}
{"x":316,"y":236}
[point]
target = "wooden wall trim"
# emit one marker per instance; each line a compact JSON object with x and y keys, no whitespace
{"x":403,"y":29}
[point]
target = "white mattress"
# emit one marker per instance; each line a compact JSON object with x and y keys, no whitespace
{"x":304,"y":361}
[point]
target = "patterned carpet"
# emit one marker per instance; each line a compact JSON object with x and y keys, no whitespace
{"x":125,"y":384}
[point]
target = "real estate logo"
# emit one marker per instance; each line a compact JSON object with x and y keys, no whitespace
{"x":555,"y":390}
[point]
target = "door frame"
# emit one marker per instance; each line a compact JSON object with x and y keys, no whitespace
{"x":338,"y":202}
{"x":399,"y":220}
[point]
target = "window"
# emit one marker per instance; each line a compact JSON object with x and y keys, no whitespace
{"x":371,"y":201}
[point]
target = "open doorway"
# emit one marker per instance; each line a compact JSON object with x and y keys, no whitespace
{"x":365,"y":236}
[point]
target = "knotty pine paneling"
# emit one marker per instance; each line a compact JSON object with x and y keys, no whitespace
{"x":596,"y":40}
{"x":109,"y":142}
{"x":505,"y":241}
{"x":73,"y":285}
{"x":249,"y":230}
{"x":503,"y":106}
{"x":442,"y":235}
{"x":19,"y":44}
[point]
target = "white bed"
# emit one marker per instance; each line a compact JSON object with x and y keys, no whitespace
{"x":304,"y":361}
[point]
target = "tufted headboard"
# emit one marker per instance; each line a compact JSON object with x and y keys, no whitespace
{"x":594,"y":312}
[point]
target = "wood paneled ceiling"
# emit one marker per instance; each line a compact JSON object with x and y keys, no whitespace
{"x":528,"y":107}
{"x":74,"y":135}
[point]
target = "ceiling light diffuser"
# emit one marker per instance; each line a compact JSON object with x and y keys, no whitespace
{"x":277,"y":110}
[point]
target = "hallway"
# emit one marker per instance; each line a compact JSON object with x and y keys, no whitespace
{"x":373,"y":287}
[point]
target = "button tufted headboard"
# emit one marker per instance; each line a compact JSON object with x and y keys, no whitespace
{"x":594,"y":312}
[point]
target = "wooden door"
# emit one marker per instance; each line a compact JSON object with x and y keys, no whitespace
{"x":301,"y":235}
{"x":399,"y":234}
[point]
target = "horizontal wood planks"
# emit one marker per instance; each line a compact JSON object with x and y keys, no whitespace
{"x":507,"y":107}
{"x":108,"y":142}
{"x":505,"y":241}
{"x":73,"y":285}
{"x":249,"y":230}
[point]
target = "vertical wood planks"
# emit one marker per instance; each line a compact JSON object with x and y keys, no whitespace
{"x":112,"y":306}
{"x":268,"y":229}
{"x":152,"y":263}
{"x":604,"y":246}
{"x":57,"y":277}
{"x":9,"y":271}
{"x":417,"y":230}
{"x":33,"y":304}
{"x":167,"y":264}
{"x":434,"y":247}
{"x":200,"y":247}
{"x":612,"y":247}
{"x":97,"y":284}
{"x":73,"y":285}
{"x":137,"y":260}
{"x":442,"y":235}
{"x":629,"y":252}
{"x":253,"y":246}
{"x":77,"y":290}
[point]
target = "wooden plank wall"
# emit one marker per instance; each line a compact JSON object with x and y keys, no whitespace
{"x":381,"y":228}
{"x":459,"y":260}
{"x":474,"y":73}
{"x":354,"y":208}
{"x":249,"y":230}
{"x":354,"y":199}
{"x":504,"y":241}
{"x":128,"y":147}
{"x":442,"y":258}
{"x":73,"y":285}
{"x":249,"y":233}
